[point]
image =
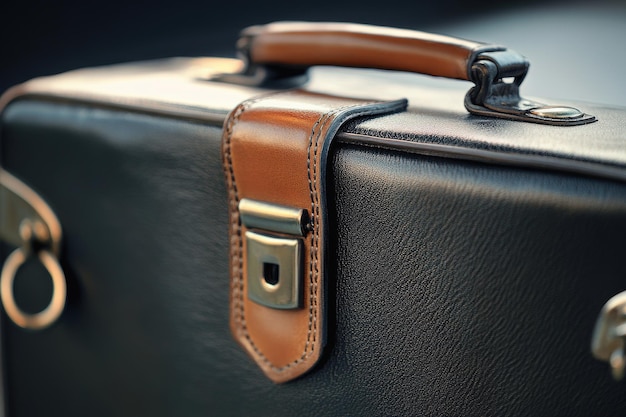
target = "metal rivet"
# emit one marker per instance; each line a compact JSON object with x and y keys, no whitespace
{"x":557,"y":112}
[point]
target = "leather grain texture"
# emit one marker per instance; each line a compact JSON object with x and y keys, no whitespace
{"x":468,"y":289}
{"x":146,"y":276}
{"x":461,"y":288}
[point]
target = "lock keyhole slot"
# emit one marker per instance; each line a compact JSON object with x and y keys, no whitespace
{"x":274,"y":270}
{"x":271,"y":273}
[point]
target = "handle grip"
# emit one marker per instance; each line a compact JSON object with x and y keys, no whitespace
{"x":279,"y":55}
{"x":302,"y":44}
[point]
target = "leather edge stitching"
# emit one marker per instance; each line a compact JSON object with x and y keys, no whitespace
{"x":237,"y":286}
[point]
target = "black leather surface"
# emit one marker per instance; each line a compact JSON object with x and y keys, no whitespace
{"x":465,"y":289}
{"x":143,"y":207}
{"x":461,"y":289}
{"x":601,"y":141}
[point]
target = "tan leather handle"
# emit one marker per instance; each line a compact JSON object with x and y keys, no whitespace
{"x":278,"y":55}
{"x":306,"y":44}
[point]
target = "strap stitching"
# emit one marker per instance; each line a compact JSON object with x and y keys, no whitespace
{"x":237,"y":257}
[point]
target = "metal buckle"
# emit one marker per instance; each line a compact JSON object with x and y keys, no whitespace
{"x":274,"y":253}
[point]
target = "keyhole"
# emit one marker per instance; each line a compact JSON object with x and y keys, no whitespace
{"x":270,"y":273}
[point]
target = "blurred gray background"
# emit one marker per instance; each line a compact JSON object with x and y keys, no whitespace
{"x":576,"y":49}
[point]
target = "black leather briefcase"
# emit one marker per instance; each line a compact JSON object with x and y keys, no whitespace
{"x":213,"y":236}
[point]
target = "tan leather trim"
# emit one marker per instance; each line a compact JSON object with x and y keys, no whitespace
{"x":356,"y":45}
{"x":273,"y":150}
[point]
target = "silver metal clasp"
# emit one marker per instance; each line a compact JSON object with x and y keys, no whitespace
{"x":609,"y":335}
{"x":274,"y":253}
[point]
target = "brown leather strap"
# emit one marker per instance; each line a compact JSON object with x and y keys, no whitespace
{"x":274,"y":150}
{"x":356,"y":45}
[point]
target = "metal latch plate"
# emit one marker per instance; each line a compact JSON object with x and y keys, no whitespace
{"x":274,"y":253}
{"x":274,"y":270}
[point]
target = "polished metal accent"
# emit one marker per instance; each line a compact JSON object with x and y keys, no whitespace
{"x":557,"y":112}
{"x":274,"y":252}
{"x":28,"y":222}
{"x":272,"y":217}
{"x":609,"y":336}
{"x":274,"y":270}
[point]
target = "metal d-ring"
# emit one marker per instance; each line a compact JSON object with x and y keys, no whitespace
{"x":49,"y":314}
{"x":28,"y":222}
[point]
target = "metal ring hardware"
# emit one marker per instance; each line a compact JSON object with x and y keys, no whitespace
{"x":609,"y":335}
{"x":52,"y":312}
{"x":28,"y":222}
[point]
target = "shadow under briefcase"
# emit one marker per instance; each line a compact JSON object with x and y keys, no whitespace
{"x":213,"y":236}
